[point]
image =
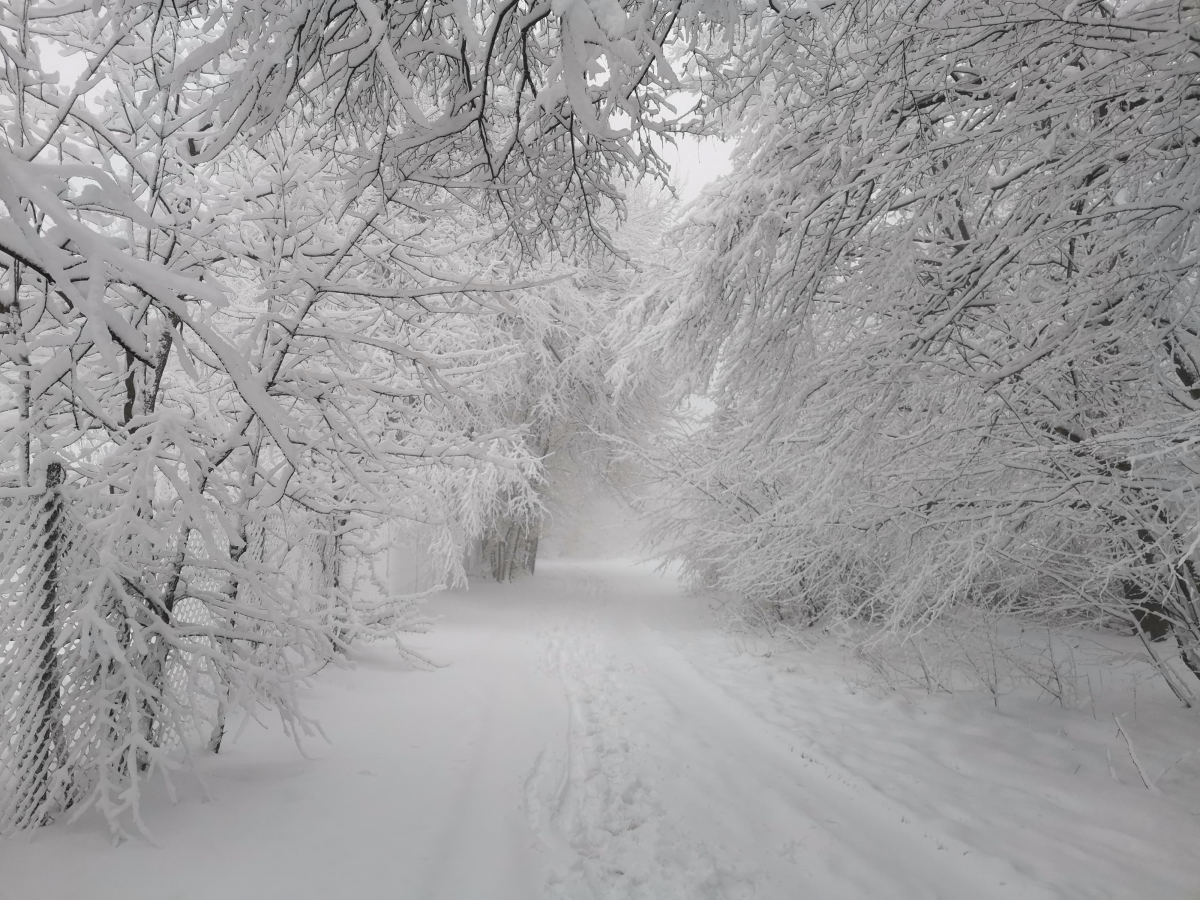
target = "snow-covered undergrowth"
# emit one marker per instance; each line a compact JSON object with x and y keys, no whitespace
{"x":594,"y":732}
{"x":972,"y":651}
{"x":1092,"y":687}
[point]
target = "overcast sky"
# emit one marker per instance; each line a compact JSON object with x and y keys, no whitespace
{"x":697,"y":162}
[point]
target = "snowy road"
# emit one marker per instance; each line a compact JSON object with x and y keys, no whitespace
{"x":587,"y":735}
{"x":664,"y":786}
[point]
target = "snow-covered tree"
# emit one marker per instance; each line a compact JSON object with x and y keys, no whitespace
{"x":945,"y":305}
{"x":254,"y":261}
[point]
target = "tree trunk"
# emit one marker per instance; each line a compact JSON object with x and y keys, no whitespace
{"x":511,"y":549}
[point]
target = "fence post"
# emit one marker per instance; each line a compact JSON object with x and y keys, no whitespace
{"x":337,"y":527}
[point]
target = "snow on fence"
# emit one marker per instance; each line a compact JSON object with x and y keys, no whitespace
{"x":105,"y":680}
{"x":33,"y":744}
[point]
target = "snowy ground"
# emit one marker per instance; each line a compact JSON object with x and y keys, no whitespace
{"x":590,"y":733}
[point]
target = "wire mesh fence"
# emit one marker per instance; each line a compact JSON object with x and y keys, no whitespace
{"x":48,"y":665}
{"x":106,"y":674}
{"x":32,"y":751}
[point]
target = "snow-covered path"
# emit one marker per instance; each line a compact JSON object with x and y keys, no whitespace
{"x":587,"y":735}
{"x":664,"y":786}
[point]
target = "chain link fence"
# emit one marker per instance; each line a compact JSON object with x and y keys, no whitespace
{"x":102,"y":682}
{"x":42,"y":555}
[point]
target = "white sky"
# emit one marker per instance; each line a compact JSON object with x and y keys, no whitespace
{"x":694,"y":163}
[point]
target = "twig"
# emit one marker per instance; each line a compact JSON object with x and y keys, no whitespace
{"x":1174,"y":764}
{"x":1150,"y":785}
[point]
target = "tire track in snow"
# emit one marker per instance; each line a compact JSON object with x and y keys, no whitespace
{"x":841,"y":837}
{"x":593,"y":800}
{"x":666,"y":787}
